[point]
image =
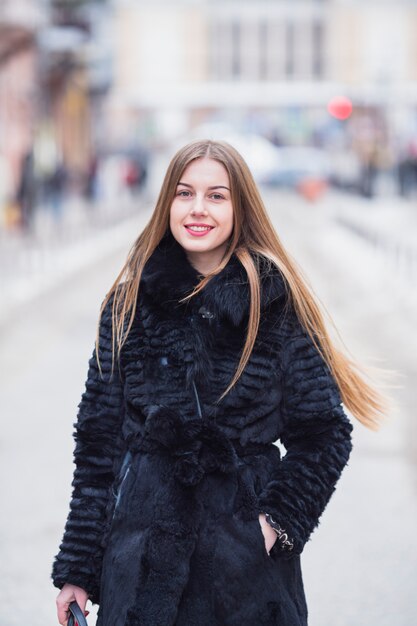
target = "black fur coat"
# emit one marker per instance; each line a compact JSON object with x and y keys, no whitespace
{"x":163,"y":525}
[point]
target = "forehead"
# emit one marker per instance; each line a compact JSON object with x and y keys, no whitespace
{"x":205,"y":170}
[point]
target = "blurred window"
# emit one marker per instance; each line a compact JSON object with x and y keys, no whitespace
{"x":263,"y":33}
{"x":236,"y":49}
{"x":275,"y":49}
{"x":318,"y":49}
{"x":290,"y":49}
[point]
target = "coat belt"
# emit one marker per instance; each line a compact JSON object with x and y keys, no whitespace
{"x":195,"y":446}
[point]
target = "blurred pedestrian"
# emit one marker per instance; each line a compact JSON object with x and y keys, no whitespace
{"x":369,"y":169}
{"x":90,"y":187}
{"x":407,"y":170}
{"x":26,"y":191}
{"x":183,"y":511}
{"x":56,"y":186}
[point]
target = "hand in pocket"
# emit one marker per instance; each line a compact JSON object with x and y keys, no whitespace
{"x":270,"y":536}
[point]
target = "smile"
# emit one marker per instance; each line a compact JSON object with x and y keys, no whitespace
{"x":198,"y":231}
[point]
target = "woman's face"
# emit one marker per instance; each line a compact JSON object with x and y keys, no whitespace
{"x":201,"y":217}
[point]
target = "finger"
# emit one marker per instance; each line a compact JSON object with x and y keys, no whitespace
{"x":81,"y":599}
{"x":62,"y":610}
{"x":63,"y":620}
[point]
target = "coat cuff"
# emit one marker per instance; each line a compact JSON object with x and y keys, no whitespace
{"x":285,"y":545}
{"x":285,"y":541}
{"x":63,"y":574}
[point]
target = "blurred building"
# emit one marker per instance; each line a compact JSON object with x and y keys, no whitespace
{"x":19,"y":22}
{"x":178,"y":63}
{"x":92,"y":77}
{"x":63,"y":130}
{"x":76,"y":49}
{"x":54,"y":74}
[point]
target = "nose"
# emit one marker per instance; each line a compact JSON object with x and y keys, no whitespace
{"x":198,"y":206}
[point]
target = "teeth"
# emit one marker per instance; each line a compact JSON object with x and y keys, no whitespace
{"x":198,"y":228}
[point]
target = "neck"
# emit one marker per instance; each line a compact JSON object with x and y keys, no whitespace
{"x":205,"y":262}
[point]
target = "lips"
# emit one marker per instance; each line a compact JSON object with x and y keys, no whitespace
{"x":199,"y":225}
{"x":200,"y":230}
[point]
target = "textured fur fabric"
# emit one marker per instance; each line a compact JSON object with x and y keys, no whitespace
{"x":163,"y":525}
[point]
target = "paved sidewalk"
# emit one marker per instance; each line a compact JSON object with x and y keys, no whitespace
{"x":32,"y":263}
{"x":387,"y":224}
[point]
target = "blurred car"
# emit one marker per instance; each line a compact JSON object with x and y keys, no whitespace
{"x":297,"y":164}
{"x":260,"y":154}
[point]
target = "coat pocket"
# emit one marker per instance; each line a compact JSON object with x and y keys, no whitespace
{"x":261,"y":537}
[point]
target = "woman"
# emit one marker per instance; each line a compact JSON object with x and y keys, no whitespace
{"x":210,"y":348}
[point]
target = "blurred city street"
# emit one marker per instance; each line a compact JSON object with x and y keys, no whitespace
{"x":31,"y":263}
{"x":320,"y":99}
{"x":360,"y":567}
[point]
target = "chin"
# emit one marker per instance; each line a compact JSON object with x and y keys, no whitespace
{"x":195,"y":245}
{"x":191,"y":246}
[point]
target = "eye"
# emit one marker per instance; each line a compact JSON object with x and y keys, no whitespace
{"x":184,"y":193}
{"x":217,"y":196}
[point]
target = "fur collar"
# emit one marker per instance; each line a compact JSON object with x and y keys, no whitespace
{"x":168,"y":276}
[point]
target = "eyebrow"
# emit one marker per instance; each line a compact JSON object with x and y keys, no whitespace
{"x":213,"y":187}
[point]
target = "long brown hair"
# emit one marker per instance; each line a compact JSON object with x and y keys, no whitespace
{"x":253,"y":234}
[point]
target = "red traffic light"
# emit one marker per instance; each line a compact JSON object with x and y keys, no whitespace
{"x":340,"y":107}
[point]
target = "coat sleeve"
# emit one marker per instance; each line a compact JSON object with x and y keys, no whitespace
{"x":317,"y":438}
{"x":97,"y":451}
